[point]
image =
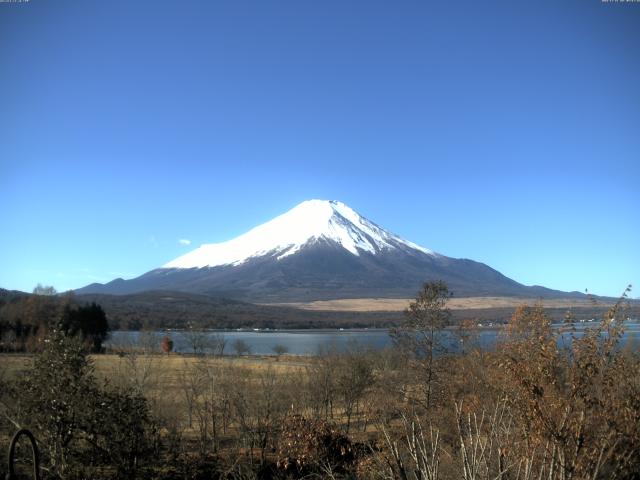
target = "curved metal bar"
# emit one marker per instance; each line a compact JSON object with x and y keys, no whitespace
{"x":11,"y":475}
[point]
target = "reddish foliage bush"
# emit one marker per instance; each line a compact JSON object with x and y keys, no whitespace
{"x":313,"y":446}
{"x":166,"y":344}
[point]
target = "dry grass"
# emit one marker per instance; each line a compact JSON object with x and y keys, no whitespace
{"x":399,"y":304}
{"x":169,"y":367}
{"x":12,"y":364}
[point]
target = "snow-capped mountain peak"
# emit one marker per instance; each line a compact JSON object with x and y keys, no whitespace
{"x":319,"y":250}
{"x":310,"y":221}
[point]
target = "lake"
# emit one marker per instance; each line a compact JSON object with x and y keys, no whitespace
{"x":310,"y":342}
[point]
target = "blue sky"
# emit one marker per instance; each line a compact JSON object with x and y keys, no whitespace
{"x":506,"y":132}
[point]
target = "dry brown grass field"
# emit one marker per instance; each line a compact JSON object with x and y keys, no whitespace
{"x":167,"y":370}
{"x":399,"y":304}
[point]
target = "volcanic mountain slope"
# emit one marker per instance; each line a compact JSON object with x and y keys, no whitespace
{"x":319,"y":250}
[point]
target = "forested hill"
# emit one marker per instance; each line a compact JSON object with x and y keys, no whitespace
{"x":162,"y":309}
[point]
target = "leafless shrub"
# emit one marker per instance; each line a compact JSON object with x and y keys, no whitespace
{"x":259,"y":411}
{"x":414,"y":454}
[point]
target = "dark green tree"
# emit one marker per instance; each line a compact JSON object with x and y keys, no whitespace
{"x":119,"y":430}
{"x":79,"y":424}
{"x":88,"y":321}
{"x":53,"y":397}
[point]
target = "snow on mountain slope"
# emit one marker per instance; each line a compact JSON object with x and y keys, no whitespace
{"x":308,"y":222}
{"x":319,"y":250}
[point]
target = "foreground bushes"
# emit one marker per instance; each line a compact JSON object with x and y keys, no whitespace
{"x":546,"y":404}
{"x":81,"y":426}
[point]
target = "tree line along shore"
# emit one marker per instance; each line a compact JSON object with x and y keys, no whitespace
{"x":26,"y":317}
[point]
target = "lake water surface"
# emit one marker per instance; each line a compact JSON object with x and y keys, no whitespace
{"x":310,"y":342}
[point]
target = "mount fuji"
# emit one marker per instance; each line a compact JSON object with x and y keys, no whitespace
{"x":319,"y":250}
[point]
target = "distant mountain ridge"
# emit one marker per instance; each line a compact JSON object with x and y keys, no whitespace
{"x":320,"y":250}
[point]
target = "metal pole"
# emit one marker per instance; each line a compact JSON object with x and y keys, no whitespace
{"x":12,"y":452}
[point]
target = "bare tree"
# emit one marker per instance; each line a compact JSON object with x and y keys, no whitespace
{"x":280,"y":350}
{"x":467,"y":334}
{"x":418,"y":334}
{"x":354,"y":377}
{"x":44,"y":290}
{"x":217,"y":344}
{"x":211,"y":404}
{"x":196,"y":339}
{"x":241,"y":347}
{"x":148,"y":341}
{"x":321,"y":383}
{"x":191,"y":384}
{"x":137,"y":367}
{"x":415,"y":455}
{"x":260,"y":411}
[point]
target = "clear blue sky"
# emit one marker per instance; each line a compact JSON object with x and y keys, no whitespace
{"x":506,"y":132}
